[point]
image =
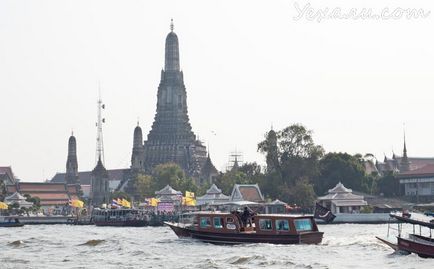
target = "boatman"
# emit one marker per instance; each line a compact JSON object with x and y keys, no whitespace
{"x":247,"y":216}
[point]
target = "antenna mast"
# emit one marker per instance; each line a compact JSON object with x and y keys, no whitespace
{"x":99,"y":137}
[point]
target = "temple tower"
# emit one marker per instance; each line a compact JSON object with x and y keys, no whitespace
{"x":71,"y":176}
{"x":137,"y":158}
{"x":100,"y":193}
{"x":171,"y":138}
{"x":405,"y":163}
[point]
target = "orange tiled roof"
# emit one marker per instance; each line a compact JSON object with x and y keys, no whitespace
{"x":31,"y":186}
{"x":422,"y":171}
{"x":250,"y":193}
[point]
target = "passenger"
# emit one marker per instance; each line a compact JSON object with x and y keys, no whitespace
{"x":247,"y":216}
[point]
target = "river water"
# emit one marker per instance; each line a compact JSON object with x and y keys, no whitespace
{"x":66,"y":246}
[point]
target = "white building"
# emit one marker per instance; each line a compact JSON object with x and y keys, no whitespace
{"x":418,"y":185}
{"x":342,"y":200}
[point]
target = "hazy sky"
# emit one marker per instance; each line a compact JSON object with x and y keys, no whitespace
{"x":247,"y":65}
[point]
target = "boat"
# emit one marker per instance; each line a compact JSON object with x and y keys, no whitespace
{"x":10,"y":222}
{"x":229,"y":228}
{"x":417,"y":243}
{"x":120,"y":217}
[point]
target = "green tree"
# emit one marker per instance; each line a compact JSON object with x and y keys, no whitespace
{"x":388,"y":185}
{"x":120,"y":194}
{"x":345,"y":168}
{"x":227,"y":180}
{"x":292,"y":162}
{"x":2,"y":191}
{"x":173,"y":175}
{"x":167,"y":174}
{"x":141,"y":186}
{"x":301,"y":194}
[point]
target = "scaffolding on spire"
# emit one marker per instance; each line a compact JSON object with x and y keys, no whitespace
{"x":235,"y":160}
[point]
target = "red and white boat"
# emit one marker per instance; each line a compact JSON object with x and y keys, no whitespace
{"x":421,"y":243}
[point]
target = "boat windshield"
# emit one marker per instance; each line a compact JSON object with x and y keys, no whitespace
{"x":303,"y":224}
{"x":188,"y":219}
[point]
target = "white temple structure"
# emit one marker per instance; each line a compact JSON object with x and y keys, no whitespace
{"x":342,"y":200}
{"x":213,"y":196}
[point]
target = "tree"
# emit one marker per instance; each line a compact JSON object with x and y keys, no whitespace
{"x":141,"y":187}
{"x":344,"y":168}
{"x":388,"y":185}
{"x":302,"y":194}
{"x":3,"y":191}
{"x":292,"y":162}
{"x":226,"y":181}
{"x":167,"y":174}
{"x":173,"y":175}
{"x":119,"y":194}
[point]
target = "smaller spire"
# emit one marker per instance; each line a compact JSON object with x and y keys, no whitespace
{"x":405,"y":147}
{"x":171,"y":25}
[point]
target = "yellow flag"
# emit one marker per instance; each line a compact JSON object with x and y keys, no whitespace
{"x":3,"y":205}
{"x":77,"y":203}
{"x":188,"y":201}
{"x":125,"y":203}
{"x":153,"y":202}
{"x":189,"y":194}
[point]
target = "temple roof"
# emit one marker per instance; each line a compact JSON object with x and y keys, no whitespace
{"x":213,"y":196}
{"x":340,"y":192}
{"x":48,"y":193}
{"x":426,"y":170}
{"x":7,"y":171}
{"x":168,"y":191}
{"x":213,"y":190}
{"x":15,"y":197}
{"x":85,"y":176}
{"x":340,"y":188}
{"x":247,"y":192}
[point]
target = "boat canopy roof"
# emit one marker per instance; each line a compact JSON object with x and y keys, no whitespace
{"x":413,"y":221}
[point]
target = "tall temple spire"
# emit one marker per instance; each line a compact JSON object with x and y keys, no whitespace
{"x":71,"y":162}
{"x":172,"y":51}
{"x":405,"y":162}
{"x":171,"y":138}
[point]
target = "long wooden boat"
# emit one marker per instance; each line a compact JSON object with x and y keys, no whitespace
{"x":119,"y":217}
{"x":419,"y":244}
{"x":228,"y":228}
{"x":10,"y":222}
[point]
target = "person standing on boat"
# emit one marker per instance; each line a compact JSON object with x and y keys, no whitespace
{"x":247,"y":215}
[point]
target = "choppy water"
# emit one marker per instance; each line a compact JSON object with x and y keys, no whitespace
{"x":63,"y":246}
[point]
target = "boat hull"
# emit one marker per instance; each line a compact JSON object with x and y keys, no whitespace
{"x":419,"y":247}
{"x":123,"y":223}
{"x":246,"y":238}
{"x":11,"y":224}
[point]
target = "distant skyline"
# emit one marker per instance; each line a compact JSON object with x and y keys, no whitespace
{"x":248,"y":65}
